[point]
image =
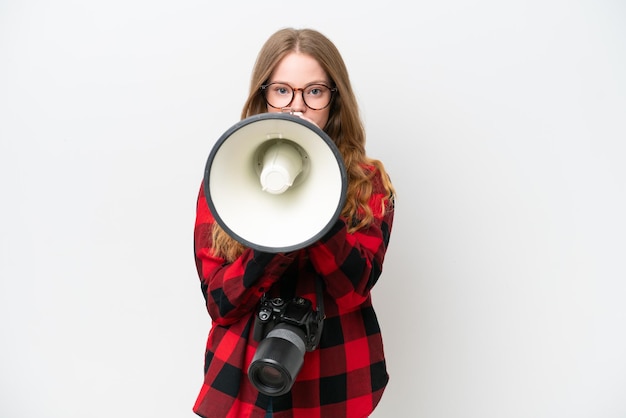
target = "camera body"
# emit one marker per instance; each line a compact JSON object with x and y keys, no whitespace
{"x":297,"y":312}
{"x":285,"y":330}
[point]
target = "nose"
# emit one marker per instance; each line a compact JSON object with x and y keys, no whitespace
{"x":297,"y":104}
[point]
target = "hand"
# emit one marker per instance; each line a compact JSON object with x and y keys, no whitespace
{"x":300,"y":115}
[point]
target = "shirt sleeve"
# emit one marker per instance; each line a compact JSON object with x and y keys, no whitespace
{"x":232,"y":290}
{"x":351,"y":263}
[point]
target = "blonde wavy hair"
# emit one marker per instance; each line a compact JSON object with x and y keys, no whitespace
{"x":344,"y":127}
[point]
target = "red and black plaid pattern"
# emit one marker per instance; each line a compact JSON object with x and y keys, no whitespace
{"x":346,"y":375}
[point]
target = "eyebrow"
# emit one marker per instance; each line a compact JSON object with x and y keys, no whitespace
{"x":324,"y":82}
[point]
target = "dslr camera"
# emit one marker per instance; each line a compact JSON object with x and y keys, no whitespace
{"x":286,"y":330}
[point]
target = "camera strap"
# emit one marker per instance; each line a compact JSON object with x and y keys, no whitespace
{"x":319,"y":288}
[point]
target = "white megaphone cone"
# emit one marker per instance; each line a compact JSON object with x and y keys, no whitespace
{"x":275,"y":182}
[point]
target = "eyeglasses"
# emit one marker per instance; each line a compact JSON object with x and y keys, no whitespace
{"x":315,"y":96}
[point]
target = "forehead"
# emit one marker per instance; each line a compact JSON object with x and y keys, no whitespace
{"x":298,"y":68}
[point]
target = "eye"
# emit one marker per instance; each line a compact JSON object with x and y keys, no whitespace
{"x":282,"y":90}
{"x":315,"y":90}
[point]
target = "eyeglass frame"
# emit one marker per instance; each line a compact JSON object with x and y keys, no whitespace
{"x":293,"y":94}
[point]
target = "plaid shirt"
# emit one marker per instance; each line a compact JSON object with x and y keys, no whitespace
{"x":346,"y":375}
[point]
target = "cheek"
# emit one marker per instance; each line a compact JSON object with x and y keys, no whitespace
{"x":320,"y":119}
{"x":270,"y":109}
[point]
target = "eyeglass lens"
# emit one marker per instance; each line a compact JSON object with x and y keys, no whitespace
{"x":315,"y":96}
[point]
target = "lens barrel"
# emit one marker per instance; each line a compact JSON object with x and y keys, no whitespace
{"x":278,"y":360}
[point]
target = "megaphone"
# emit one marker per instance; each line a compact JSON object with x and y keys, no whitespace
{"x":275,"y":182}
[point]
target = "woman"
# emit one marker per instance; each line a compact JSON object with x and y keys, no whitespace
{"x":303,"y":72}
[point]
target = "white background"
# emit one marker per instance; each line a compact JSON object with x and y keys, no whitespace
{"x":501,"y":123}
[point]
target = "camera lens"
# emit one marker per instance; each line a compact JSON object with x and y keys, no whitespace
{"x":270,"y":377}
{"x":278,"y":360}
